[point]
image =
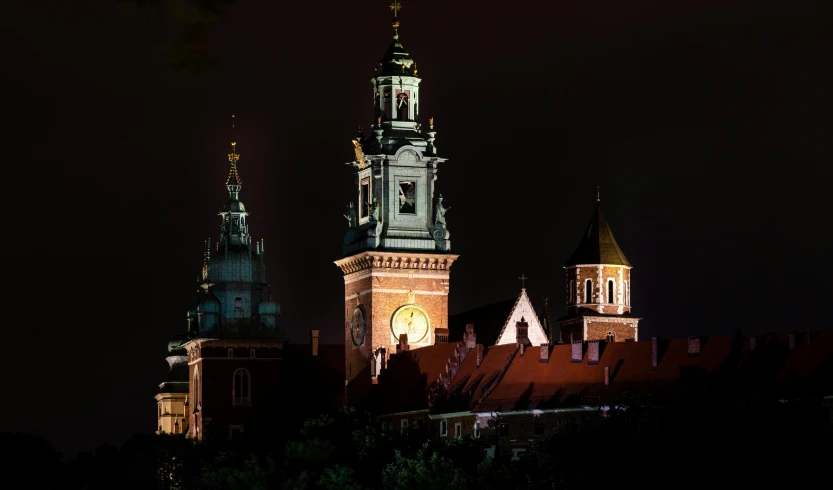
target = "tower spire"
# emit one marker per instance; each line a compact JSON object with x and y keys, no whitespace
{"x":396,"y":6}
{"x":233,"y":182}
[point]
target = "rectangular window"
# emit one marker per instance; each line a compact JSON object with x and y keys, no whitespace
{"x":476,"y":430}
{"x":588,"y":291}
{"x":443,"y":428}
{"x":403,"y":425}
{"x":230,"y":352}
{"x":458,"y":430}
{"x":407,"y":197}
{"x":538,"y":426}
{"x":364,"y":197}
{"x":252,"y":353}
{"x":238,"y":303}
{"x":418,"y":423}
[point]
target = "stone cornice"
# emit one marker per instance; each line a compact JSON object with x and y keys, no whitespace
{"x":226,"y":343}
{"x":395,"y":260}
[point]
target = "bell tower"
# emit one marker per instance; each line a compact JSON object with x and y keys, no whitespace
{"x":397,"y":247}
{"x":598,"y":288}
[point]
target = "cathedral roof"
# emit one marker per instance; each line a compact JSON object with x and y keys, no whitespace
{"x":598,"y":245}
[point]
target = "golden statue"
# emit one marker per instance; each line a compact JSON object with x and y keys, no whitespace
{"x":357,"y":147}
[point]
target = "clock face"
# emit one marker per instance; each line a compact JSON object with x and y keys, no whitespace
{"x":411,"y":320}
{"x":357,"y":327}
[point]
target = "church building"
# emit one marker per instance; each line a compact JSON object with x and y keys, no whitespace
{"x":397,"y":250}
{"x":232,"y":348}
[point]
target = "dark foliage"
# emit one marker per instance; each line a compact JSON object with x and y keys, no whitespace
{"x":699,"y":439}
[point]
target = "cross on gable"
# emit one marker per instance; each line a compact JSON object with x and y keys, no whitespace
{"x":523,"y":279}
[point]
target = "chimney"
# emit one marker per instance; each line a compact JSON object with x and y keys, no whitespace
{"x":753,"y":341}
{"x":314,"y":341}
{"x":607,"y":375}
{"x":545,"y":353}
{"x":694,"y":346}
{"x":577,"y":353}
{"x":654,"y":353}
{"x":521,"y":333}
{"x":479,"y":357}
{"x":440,"y":335}
{"x":792,"y":341}
{"x":592,"y":352}
{"x":470,"y":338}
{"x":521,"y":349}
{"x":403,"y":343}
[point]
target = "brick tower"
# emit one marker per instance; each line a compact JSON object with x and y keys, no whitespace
{"x":598,"y":287}
{"x":232,"y":349}
{"x":396,"y":250}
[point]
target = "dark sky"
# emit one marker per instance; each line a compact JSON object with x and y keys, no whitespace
{"x":707,"y":127}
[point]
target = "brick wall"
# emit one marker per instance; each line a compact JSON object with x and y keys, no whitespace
{"x":381,"y":283}
{"x":598,"y":330}
{"x":575,"y":278}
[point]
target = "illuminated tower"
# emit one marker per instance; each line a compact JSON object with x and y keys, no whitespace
{"x":598,"y":286}
{"x":233,"y":348}
{"x":396,"y":249}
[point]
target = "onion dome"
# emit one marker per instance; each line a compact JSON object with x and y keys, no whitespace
{"x":269,"y":307}
{"x":209,"y":304}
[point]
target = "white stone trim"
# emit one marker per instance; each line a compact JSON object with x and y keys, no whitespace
{"x":396,"y":291}
{"x":598,"y":265}
{"x":522,"y":309}
{"x":358,"y":276}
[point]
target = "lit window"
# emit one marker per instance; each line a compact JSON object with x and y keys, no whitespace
{"x":241,"y":388}
{"x":443,"y":428}
{"x":588,"y":291}
{"x":458,"y":430}
{"x":610,"y":291}
{"x":477,"y":429}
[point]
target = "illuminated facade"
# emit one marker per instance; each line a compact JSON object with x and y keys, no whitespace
{"x":598,"y":288}
{"x":232,"y":350}
{"x":397,"y":247}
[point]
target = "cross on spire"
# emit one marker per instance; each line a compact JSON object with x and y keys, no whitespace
{"x":395,"y":5}
{"x":523,"y":279}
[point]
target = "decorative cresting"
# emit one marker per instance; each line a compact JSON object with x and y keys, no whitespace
{"x":398,"y":260}
{"x":395,"y":207}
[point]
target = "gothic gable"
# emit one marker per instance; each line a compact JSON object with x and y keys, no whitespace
{"x":522,"y":311}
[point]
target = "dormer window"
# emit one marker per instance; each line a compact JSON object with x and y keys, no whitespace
{"x":238,"y":303}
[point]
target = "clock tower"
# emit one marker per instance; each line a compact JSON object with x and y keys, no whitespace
{"x":396,"y":251}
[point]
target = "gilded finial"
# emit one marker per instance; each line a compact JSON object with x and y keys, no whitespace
{"x":598,"y":194}
{"x":378,"y":119}
{"x":396,"y":6}
{"x":415,"y":69}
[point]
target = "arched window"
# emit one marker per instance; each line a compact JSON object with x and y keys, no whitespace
{"x":241,"y":388}
{"x":610,"y":298}
{"x":611,"y":337}
{"x":572,"y":292}
{"x":588,"y":291}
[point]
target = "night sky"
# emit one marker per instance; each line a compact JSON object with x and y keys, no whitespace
{"x":708,"y":129}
